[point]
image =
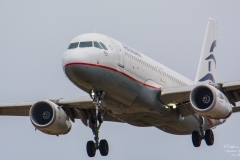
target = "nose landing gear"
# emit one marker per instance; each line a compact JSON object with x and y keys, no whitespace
{"x":96,"y":119}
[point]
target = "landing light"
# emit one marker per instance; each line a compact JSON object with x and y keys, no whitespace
{"x":171,"y":105}
{"x":174,"y":106}
{"x":92,"y":95}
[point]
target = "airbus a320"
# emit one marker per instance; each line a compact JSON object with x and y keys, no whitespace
{"x":124,"y":85}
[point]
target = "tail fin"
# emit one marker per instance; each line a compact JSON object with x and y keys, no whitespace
{"x":207,"y":65}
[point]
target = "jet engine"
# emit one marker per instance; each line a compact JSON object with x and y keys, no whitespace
{"x":210,"y":102}
{"x":49,"y":118}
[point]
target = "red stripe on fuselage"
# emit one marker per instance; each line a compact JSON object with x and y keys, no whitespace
{"x":209,"y":120}
{"x":96,"y":65}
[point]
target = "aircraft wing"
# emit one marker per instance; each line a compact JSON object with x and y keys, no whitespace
{"x":175,"y":95}
{"x":232,"y":89}
{"x":178,"y":95}
{"x":78,"y":108}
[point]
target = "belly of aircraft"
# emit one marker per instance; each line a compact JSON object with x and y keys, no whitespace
{"x":114,"y":84}
{"x":121,"y":97}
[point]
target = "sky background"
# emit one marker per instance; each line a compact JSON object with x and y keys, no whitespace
{"x":34,"y":35}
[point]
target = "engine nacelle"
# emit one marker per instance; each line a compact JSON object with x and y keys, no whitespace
{"x":210,"y":102}
{"x":49,"y":118}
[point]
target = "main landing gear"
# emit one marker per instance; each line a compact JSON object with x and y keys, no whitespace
{"x":96,"y":119}
{"x":198,"y":136}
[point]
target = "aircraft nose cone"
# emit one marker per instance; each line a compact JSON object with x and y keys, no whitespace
{"x":75,"y":66}
{"x":71,"y":57}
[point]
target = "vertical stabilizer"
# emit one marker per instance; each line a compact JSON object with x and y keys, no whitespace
{"x":207,"y":65}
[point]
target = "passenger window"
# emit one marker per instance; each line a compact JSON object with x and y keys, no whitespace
{"x":97,"y":45}
{"x":85,"y":44}
{"x":103,"y":46}
{"x":73,"y":45}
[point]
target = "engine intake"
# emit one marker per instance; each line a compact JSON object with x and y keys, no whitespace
{"x":210,"y":102}
{"x":49,"y":118}
{"x":42,"y":113}
{"x":202,"y":97}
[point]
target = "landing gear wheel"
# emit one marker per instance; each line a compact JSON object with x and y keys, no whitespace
{"x":196,"y":138}
{"x":91,"y":149}
{"x":100,"y":117}
{"x":104,"y":147}
{"x":93,"y":118}
{"x":209,"y":137}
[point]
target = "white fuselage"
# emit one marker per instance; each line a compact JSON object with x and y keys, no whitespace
{"x":136,"y":64}
{"x":131,"y":82}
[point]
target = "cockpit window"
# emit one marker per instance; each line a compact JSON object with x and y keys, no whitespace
{"x":85,"y":44}
{"x":103,"y":46}
{"x":97,"y":45}
{"x":73,"y":45}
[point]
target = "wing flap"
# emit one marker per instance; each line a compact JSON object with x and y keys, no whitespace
{"x":232,"y":89}
{"x":81,"y":114}
{"x":185,"y":110}
{"x":236,"y":109}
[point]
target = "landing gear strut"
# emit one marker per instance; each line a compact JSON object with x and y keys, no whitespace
{"x":96,"y":119}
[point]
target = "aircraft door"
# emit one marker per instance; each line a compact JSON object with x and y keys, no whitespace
{"x":120,"y":52}
{"x":161,"y":76}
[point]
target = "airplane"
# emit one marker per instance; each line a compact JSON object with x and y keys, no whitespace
{"x":126,"y":86}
